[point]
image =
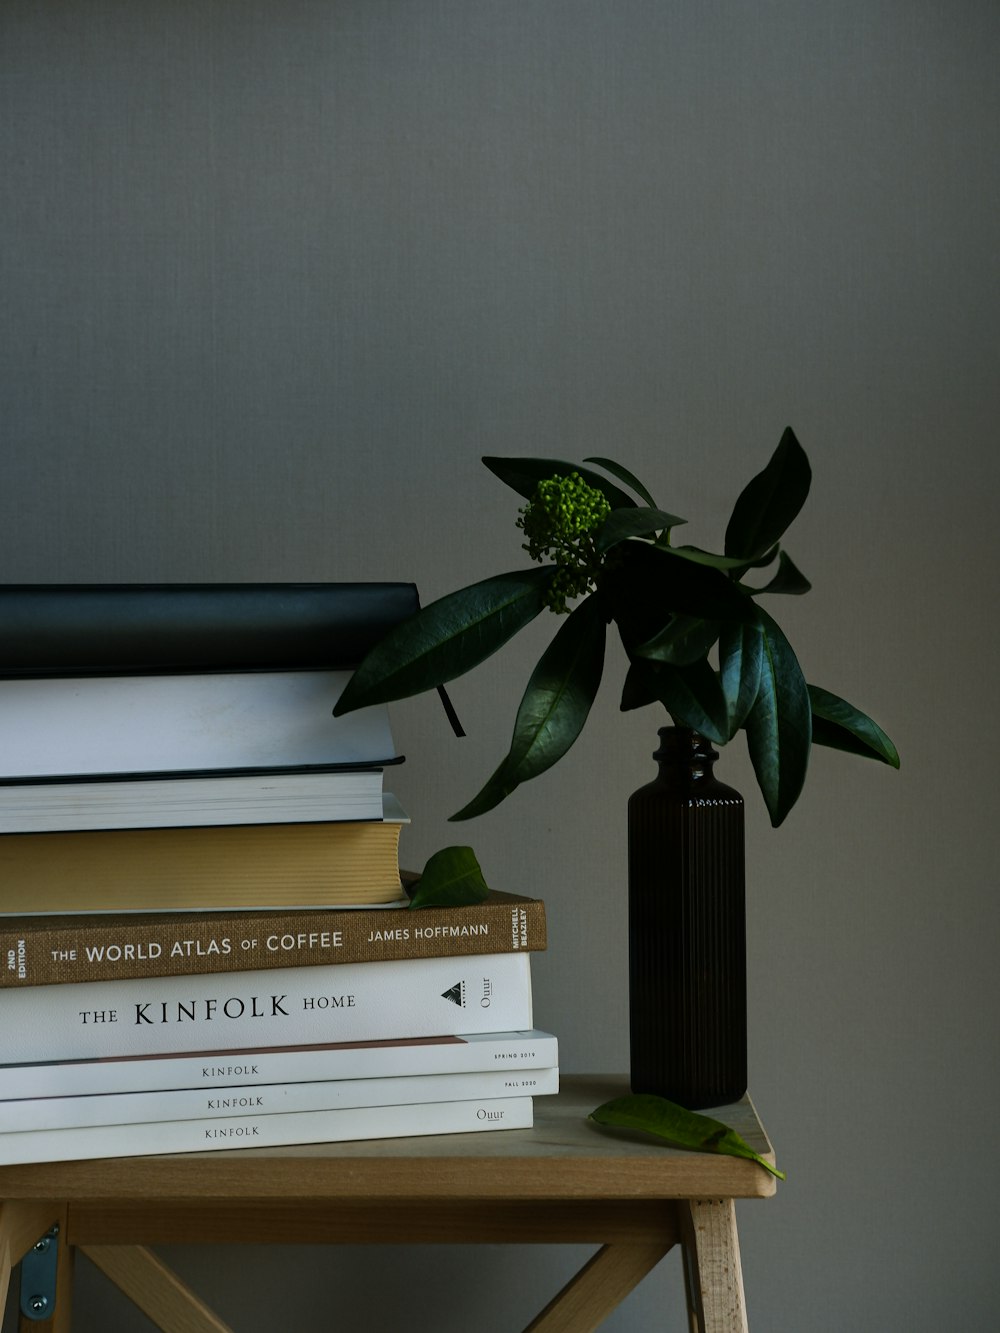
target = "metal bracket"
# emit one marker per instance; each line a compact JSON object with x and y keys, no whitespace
{"x":38,"y":1277}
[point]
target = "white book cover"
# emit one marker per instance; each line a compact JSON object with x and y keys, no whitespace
{"x":130,"y":724}
{"x":296,"y":796}
{"x":413,"y":997}
{"x":133,"y":1108}
{"x":266,"y":1131}
{"x":450,"y":1054}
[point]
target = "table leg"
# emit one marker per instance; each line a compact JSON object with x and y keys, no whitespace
{"x":599,"y":1287}
{"x":155,"y":1289}
{"x":713,"y":1273}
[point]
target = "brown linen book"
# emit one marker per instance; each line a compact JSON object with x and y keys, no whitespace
{"x":109,"y":946}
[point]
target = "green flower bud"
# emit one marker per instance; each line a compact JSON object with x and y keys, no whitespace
{"x":560,"y":522}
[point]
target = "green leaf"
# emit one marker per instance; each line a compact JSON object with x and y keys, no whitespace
{"x":653,"y":583}
{"x":779,"y":725}
{"x":447,"y":638}
{"x":770,"y":555}
{"x":524,"y":474}
{"x":787,"y":579}
{"x":623,"y":474}
{"x":675,"y":1125}
{"x":621,"y":524}
{"x":840,"y":725}
{"x":451,"y":878}
{"x":684,"y":640}
{"x":741,"y":652}
{"x":691,"y":695}
{"x":769,"y":502}
{"x":700,"y":557}
{"x":554,"y":707}
{"x":641,"y":685}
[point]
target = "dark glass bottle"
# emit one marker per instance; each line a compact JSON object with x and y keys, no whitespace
{"x":687,"y":929}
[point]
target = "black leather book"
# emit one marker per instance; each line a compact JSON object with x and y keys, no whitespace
{"x":118,"y":629}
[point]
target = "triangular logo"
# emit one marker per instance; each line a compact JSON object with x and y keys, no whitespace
{"x":456,"y":994}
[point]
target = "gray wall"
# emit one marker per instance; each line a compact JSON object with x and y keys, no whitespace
{"x":275,"y":275}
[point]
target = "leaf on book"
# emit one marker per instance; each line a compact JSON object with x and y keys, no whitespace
{"x":451,"y":878}
{"x":672,"y":1123}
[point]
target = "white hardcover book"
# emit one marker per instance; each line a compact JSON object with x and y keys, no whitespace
{"x":266,"y":1131}
{"x":89,"y":725}
{"x":298,"y":796}
{"x":413,"y":997}
{"x":133,"y":1108}
{"x":402,"y":1057}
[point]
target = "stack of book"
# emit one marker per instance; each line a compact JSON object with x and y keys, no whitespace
{"x":204,"y":938}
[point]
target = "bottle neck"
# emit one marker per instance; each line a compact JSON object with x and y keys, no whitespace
{"x":683,"y":751}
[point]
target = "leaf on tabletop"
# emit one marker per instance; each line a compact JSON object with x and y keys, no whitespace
{"x":447,"y":638}
{"x":452,"y":877}
{"x":677,"y":1126}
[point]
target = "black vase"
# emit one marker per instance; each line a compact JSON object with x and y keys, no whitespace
{"x":687,"y":929}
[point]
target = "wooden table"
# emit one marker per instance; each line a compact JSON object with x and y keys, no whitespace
{"x":563,"y":1182}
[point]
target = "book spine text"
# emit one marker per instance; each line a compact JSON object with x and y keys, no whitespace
{"x":471,"y":1052}
{"x":419,"y":997}
{"x":133,"y":1108}
{"x":40,"y":951}
{"x":336,"y":1126}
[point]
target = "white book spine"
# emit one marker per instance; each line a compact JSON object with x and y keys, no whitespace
{"x":266,"y":1131}
{"x":133,"y":1108}
{"x":413,"y":997}
{"x":122,"y":724}
{"x":470,"y":1052}
{"x":198,"y":800}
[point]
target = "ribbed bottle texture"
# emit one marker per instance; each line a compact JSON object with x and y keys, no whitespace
{"x":687,"y":929}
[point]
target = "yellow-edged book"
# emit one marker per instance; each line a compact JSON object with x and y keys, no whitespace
{"x":248,"y":866}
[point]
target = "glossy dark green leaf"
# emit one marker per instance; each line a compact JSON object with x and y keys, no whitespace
{"x":452,"y":877}
{"x":744,"y":566}
{"x":769,"y":502}
{"x":641,"y":685}
{"x":623,"y":474}
{"x":652,"y":584}
{"x":841,"y":726}
{"x":787,"y":579}
{"x":447,"y":638}
{"x":524,"y":474}
{"x":700,"y":557}
{"x":779,"y":725}
{"x":684,"y":640}
{"x":649,"y":1114}
{"x":769,"y":556}
{"x":554,"y":707}
{"x":621,"y":524}
{"x":741,"y":651}
{"x":691,"y":695}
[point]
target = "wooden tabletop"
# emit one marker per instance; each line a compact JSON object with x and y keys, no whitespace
{"x":563,"y":1158}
